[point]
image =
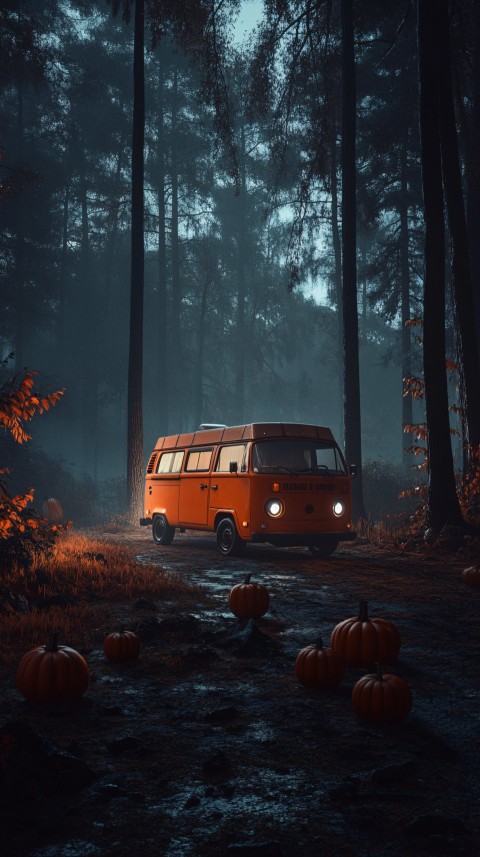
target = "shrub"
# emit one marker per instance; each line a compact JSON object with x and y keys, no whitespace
{"x":52,"y":478}
{"x":28,"y":545}
{"x":383,"y":483}
{"x":22,"y":533}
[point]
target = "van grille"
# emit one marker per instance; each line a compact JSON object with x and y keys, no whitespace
{"x":308,"y":486}
{"x":151,"y":463}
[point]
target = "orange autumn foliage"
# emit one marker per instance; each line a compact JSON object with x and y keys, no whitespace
{"x":468,"y":483}
{"x":11,"y":518}
{"x":18,"y":404}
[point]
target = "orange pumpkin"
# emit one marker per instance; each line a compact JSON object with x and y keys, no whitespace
{"x":362,"y":641}
{"x":53,"y":673}
{"x":316,"y":667}
{"x":120,"y":646}
{"x":248,"y":600}
{"x":52,"y":510}
{"x":471,"y":576}
{"x":379,"y":698}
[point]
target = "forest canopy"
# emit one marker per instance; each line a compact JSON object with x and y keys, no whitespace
{"x":242,"y":215}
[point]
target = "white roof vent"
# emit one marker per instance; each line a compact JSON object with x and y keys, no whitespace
{"x":208,"y":426}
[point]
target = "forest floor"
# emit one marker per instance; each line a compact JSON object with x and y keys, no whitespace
{"x":206,"y":746}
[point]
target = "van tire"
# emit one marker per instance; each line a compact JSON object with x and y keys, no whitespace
{"x":228,"y":541}
{"x":162,"y":532}
{"x":324,"y":549}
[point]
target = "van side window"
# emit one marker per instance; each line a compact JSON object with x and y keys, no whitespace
{"x":170,"y":462}
{"x":231,"y":453}
{"x":199,"y":460}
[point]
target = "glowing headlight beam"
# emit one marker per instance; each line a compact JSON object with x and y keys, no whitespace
{"x":274,"y":508}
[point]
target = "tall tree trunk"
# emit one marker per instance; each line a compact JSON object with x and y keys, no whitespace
{"x":240,"y":350}
{"x":337,"y":273}
{"x":176,"y":404}
{"x":63,"y":275}
{"x":198,"y":379}
{"x":407,"y":402}
{"x":352,"y":420}
{"x":20,"y":319}
{"x":63,"y":354}
{"x":88,"y":367}
{"x":443,"y":506}
{"x":112,"y":238}
{"x":473,"y":174}
{"x":364,"y":293}
{"x":464,"y":309}
{"x":135,"y":355}
{"x":108,"y":300}
{"x":163,"y":383}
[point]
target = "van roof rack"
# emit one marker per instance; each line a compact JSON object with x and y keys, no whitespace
{"x":208,"y":426}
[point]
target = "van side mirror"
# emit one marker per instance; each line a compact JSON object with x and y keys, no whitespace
{"x":352,"y":469}
{"x":233,"y":467}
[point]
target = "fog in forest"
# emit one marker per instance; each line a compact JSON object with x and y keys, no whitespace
{"x":242,"y":223}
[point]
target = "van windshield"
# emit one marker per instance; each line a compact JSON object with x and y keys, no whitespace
{"x":297,"y":456}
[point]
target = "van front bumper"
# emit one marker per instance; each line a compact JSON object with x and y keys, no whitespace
{"x":145,"y":522}
{"x":288,"y":540}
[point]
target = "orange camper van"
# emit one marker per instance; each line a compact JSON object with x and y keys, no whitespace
{"x":282,"y":483}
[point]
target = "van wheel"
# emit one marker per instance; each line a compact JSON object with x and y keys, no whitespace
{"x":324,"y":549}
{"x":162,"y":532}
{"x":228,"y":541}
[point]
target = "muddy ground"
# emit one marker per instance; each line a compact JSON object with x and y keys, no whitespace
{"x":209,"y":747}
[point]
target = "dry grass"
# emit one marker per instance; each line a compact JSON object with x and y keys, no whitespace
{"x":395,"y":534}
{"x":78,"y":592}
{"x":392,"y":532}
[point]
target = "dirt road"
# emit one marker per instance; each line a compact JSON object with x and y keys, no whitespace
{"x":203,"y":747}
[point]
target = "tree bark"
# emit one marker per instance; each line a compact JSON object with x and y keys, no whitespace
{"x":337,"y":273}
{"x":443,"y":507}
{"x":20,"y":275}
{"x":463,"y":303}
{"x":88,"y":365}
{"x":63,"y":286}
{"x":163,"y":384}
{"x":407,"y":402}
{"x":364,"y":293}
{"x":472,"y":169}
{"x":198,"y":377}
{"x":113,"y":230}
{"x":176,"y":404}
{"x":135,"y":356}
{"x":240,"y":349}
{"x":352,"y":421}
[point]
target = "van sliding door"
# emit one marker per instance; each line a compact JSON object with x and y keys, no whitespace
{"x":194,"y":488}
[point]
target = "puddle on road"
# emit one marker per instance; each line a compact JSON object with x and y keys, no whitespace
{"x":110,"y":679}
{"x":275,"y":577}
{"x":212,"y":616}
{"x":217,"y":582}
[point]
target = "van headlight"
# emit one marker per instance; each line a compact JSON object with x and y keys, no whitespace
{"x":274,"y":507}
{"x":338,"y":508}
